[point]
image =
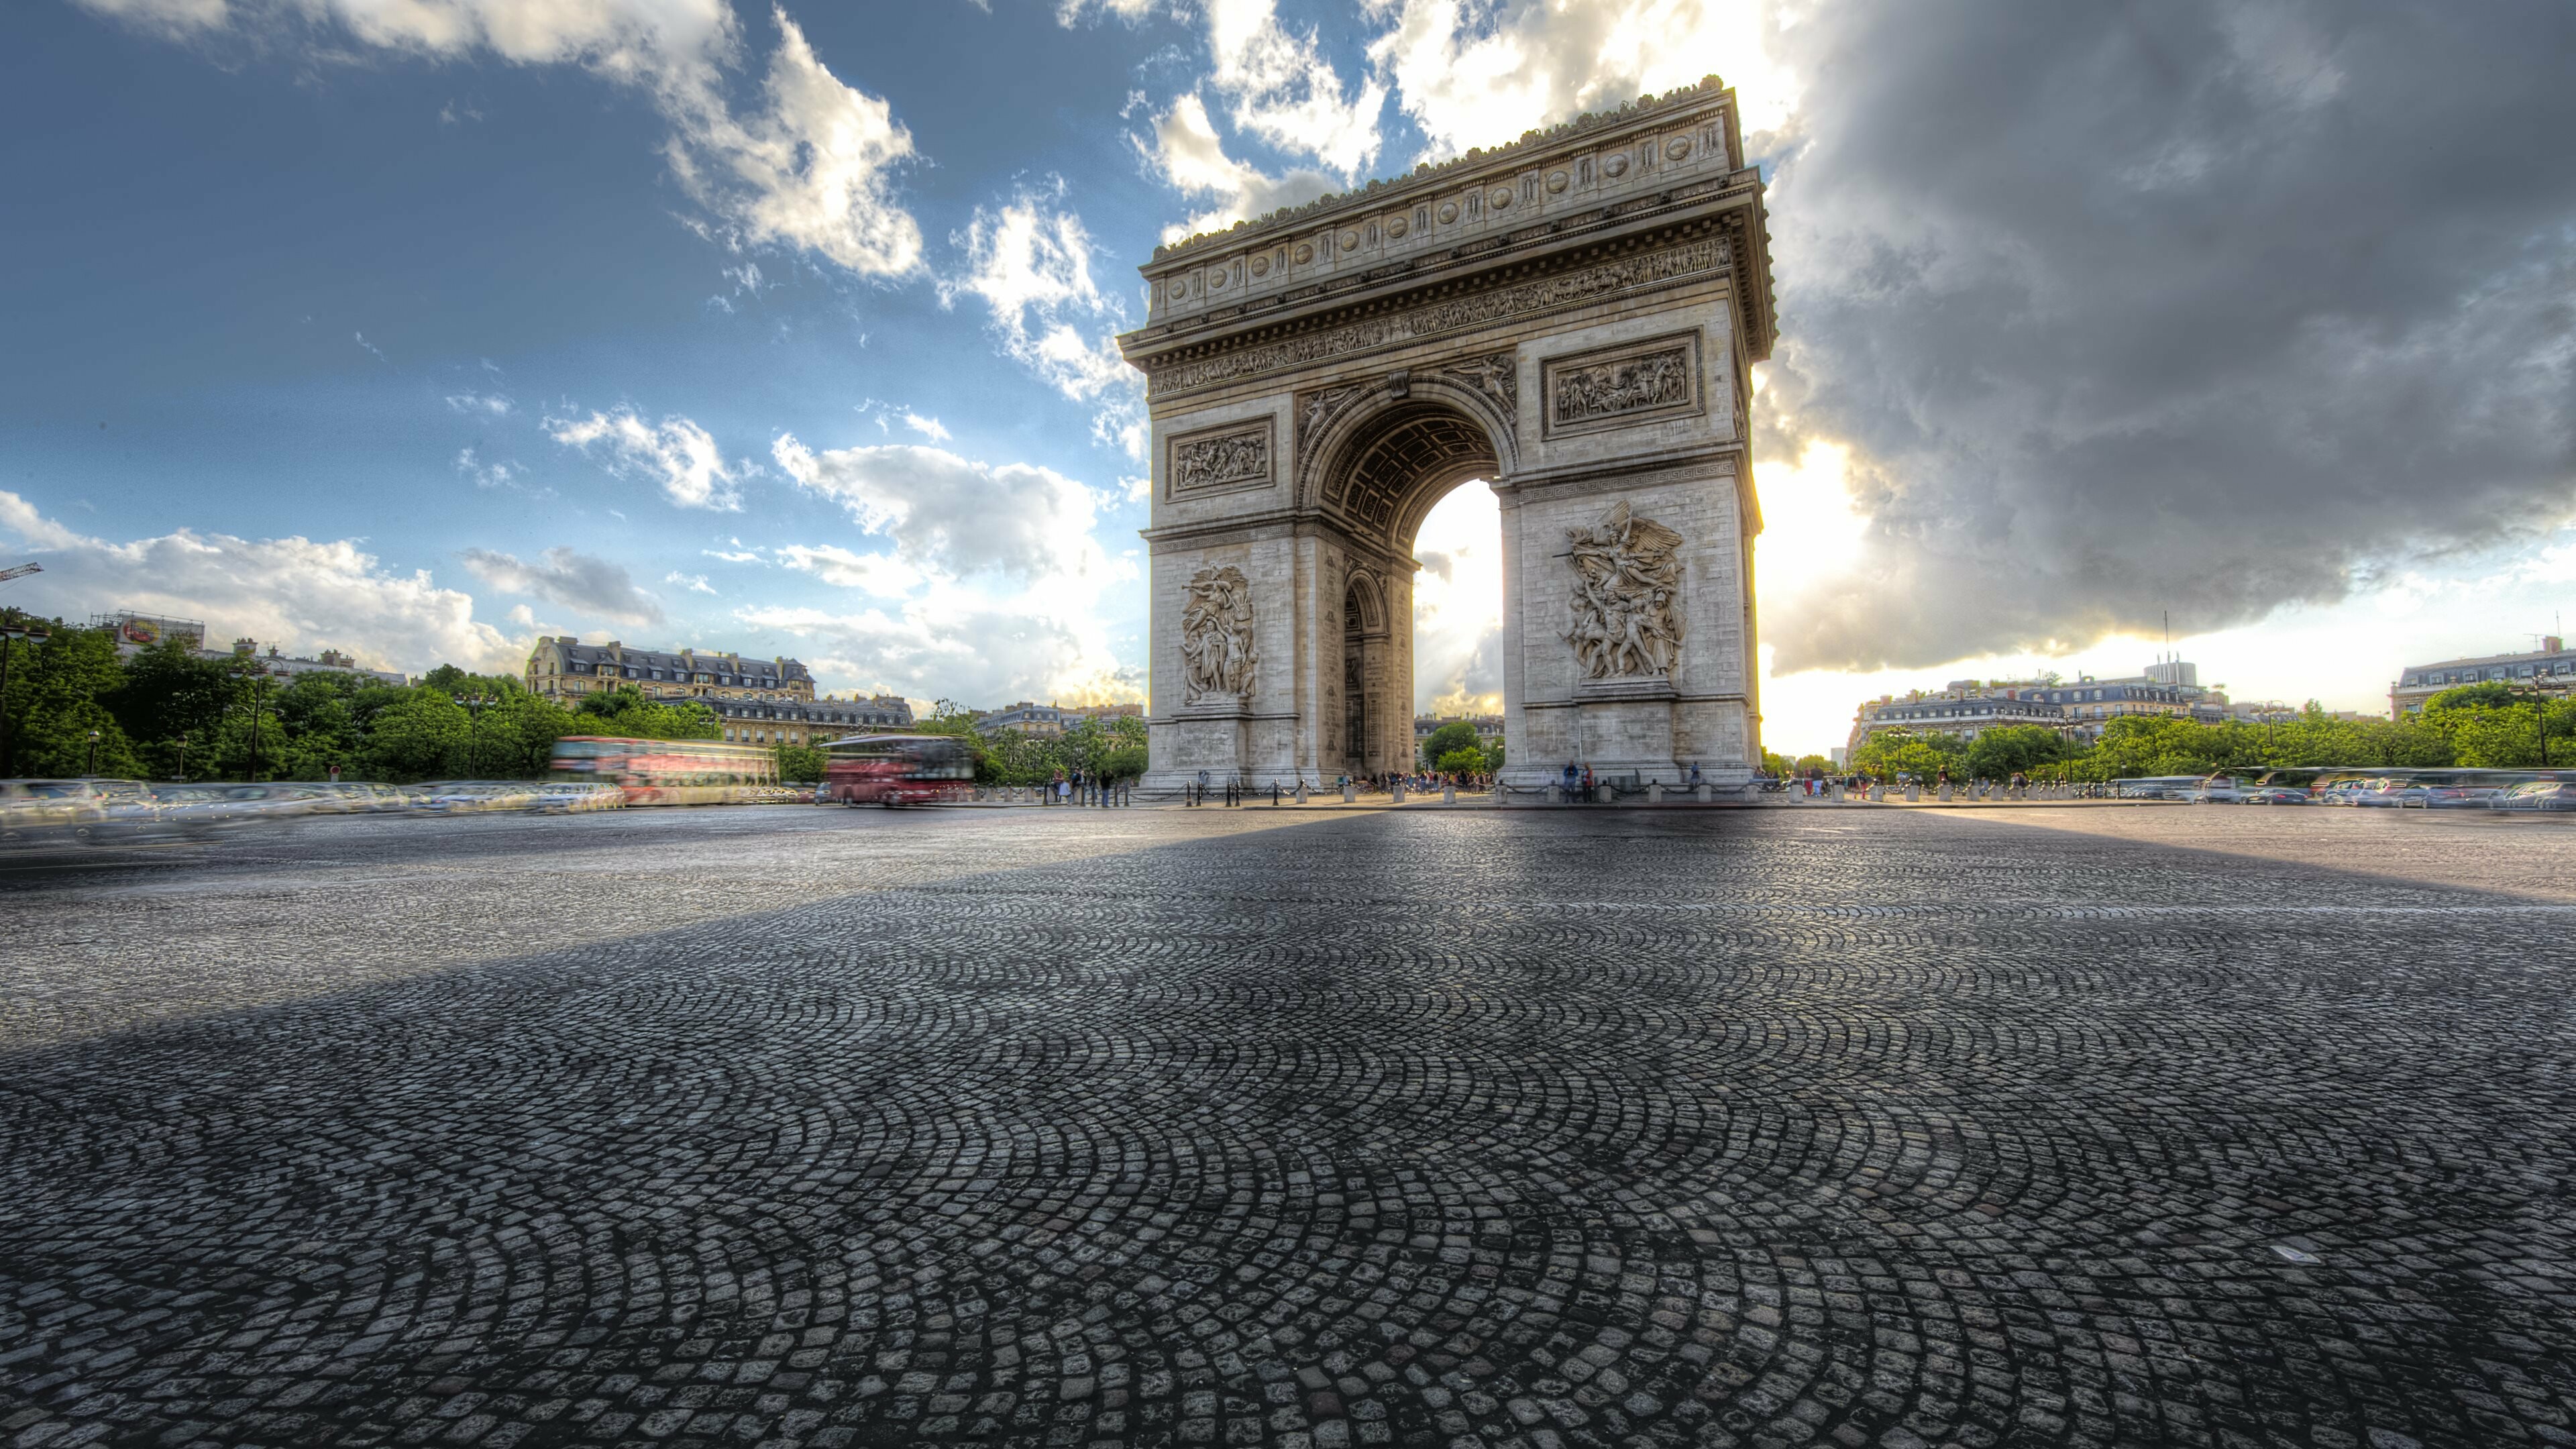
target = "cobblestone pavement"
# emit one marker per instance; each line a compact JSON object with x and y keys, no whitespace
{"x":1222,"y":1128}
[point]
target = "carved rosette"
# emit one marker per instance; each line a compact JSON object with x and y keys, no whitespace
{"x":1217,"y":658}
{"x":1627,"y":597}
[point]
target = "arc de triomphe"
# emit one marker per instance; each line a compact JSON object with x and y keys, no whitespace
{"x":1572,"y":318}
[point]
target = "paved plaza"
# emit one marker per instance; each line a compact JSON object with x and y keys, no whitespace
{"x":2134,"y":1126}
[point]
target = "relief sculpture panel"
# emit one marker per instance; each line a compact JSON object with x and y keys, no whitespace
{"x":1220,"y":460}
{"x":1217,"y":658}
{"x":1635,"y":385}
{"x":1627,"y":596}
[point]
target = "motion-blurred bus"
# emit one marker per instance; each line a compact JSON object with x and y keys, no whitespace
{"x":897,"y":769}
{"x":669,"y":772}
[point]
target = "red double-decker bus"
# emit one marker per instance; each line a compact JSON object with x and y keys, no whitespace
{"x":897,"y":769}
{"x":669,"y":772}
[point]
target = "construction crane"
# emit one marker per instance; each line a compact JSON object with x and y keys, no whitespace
{"x":21,"y":571}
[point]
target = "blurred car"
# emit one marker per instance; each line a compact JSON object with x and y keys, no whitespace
{"x":2219,"y":790}
{"x":2274,"y":795}
{"x":565,"y":797}
{"x":39,"y":811}
{"x":474,"y":797}
{"x":2348,"y":792}
{"x":2390,"y":794}
{"x":2458,"y":797}
{"x":2536,"y":795}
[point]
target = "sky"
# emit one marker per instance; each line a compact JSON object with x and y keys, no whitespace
{"x":422,"y":328}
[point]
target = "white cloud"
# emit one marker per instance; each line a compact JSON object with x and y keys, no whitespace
{"x":1480,"y":74}
{"x":998,"y":577}
{"x":810,"y":165}
{"x":481,"y":404}
{"x":981,"y":652}
{"x":928,"y":427}
{"x":694,"y":583}
{"x":486,"y":475}
{"x":1189,"y":154}
{"x":738,"y":554}
{"x":1030,"y":265}
{"x":296,"y":593}
{"x":883,"y":574}
{"x":574,"y":580}
{"x":811,"y":170}
{"x":676,"y":453}
{"x":954,"y":516}
{"x":1285,"y":92}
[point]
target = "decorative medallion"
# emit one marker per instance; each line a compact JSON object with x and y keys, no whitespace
{"x":1261,"y":266}
{"x":1615,"y":166}
{"x":1448,"y":212}
{"x":1499,"y":197}
{"x":1305,"y":253}
{"x":1351,"y":240}
{"x":1557,"y":181}
{"x":1216,"y":279}
{"x":1396,"y":226}
{"x":1677,"y":148}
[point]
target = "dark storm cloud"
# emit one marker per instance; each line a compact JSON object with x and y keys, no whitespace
{"x":2203,"y":305}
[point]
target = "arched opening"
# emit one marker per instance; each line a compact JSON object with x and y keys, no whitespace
{"x":1387,"y":473}
{"x":1458,"y":615}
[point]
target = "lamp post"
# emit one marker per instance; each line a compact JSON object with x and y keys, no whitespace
{"x":183,"y":757}
{"x":474,"y":705}
{"x":93,"y":754}
{"x":10,"y":633}
{"x":258,"y":699}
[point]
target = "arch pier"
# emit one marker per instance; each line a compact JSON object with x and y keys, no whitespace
{"x":1571,"y":318}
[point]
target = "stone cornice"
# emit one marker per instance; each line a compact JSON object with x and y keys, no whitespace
{"x":1705,"y":249}
{"x":1590,"y":128}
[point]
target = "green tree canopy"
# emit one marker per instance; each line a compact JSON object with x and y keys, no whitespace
{"x":1456,"y":735}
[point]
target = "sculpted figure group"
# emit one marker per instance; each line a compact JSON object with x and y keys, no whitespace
{"x":1216,"y":636}
{"x":1627,"y":596}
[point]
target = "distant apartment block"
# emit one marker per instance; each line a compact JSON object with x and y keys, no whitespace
{"x":2550,"y":667}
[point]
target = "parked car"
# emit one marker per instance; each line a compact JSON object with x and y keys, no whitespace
{"x":2458,"y":797}
{"x":2273,"y":795}
{"x":2536,"y":795}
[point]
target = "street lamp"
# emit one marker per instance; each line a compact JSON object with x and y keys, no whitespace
{"x":93,"y":754}
{"x":474,"y":705}
{"x":183,"y":757}
{"x":11,"y":632}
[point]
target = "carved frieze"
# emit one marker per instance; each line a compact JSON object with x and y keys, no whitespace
{"x":1220,"y":460}
{"x":1581,"y":284}
{"x":1217,"y":658}
{"x":1619,"y":387}
{"x":1627,"y":597}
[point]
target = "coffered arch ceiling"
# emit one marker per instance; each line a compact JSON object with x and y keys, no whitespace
{"x":1390,"y":472}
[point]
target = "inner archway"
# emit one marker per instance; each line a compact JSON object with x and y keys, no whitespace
{"x":1458,"y":611}
{"x":1380,"y":475}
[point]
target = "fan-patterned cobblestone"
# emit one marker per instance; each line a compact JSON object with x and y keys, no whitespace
{"x":1401,"y":1129}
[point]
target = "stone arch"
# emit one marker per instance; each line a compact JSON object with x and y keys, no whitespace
{"x":1377,"y":457}
{"x":1574,"y":318}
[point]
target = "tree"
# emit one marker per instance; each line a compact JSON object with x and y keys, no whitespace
{"x":53,"y":703}
{"x":625,"y":712}
{"x":1778,"y":767}
{"x":800,"y":764}
{"x":1814,"y":765}
{"x":1448,"y":738}
{"x":1467,"y":761}
{"x":2000,"y":754}
{"x":1924,"y":755}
